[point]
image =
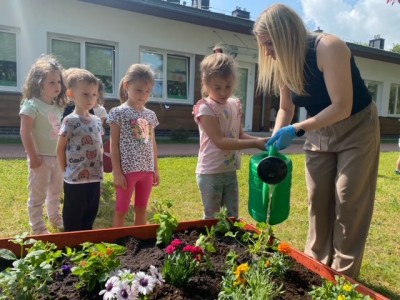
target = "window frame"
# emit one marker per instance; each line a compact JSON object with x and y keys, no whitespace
{"x":397,"y":100}
{"x":190,"y":74}
{"x":84,"y":42}
{"x":16,"y":32}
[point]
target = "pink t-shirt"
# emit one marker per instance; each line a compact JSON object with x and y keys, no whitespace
{"x":211,"y":159}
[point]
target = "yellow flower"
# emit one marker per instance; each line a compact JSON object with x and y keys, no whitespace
{"x":240,"y":271}
{"x":284,"y":248}
{"x":341,"y":297}
{"x":109,"y":251}
{"x":83,"y":263}
{"x":347,"y":288}
{"x":267,"y":264}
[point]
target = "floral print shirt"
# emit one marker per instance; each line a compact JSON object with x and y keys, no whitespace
{"x":136,"y":137}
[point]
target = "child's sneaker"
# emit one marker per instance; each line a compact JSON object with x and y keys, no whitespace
{"x":58,"y":224}
{"x":40,"y":232}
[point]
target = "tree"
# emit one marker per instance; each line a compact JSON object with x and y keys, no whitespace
{"x":396,"y":48}
{"x":392,"y":1}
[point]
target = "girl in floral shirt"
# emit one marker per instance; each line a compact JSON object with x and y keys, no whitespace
{"x":133,"y":145}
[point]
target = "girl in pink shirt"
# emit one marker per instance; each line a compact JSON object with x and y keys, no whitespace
{"x":219,"y":116}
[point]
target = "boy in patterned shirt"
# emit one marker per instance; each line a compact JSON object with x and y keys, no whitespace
{"x":80,"y":152}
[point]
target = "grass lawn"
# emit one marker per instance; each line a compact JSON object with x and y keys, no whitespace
{"x":380,"y":270}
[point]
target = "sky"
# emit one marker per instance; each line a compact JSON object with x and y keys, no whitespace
{"x":356,"y":21}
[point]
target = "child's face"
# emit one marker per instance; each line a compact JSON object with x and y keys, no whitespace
{"x":85,"y":96}
{"x":220,"y":89}
{"x":51,"y":86}
{"x":139,"y":93}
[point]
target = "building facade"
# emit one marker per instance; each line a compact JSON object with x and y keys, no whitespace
{"x":106,"y":36}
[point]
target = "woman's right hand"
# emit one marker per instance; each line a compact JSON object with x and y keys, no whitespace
{"x":261,"y":144}
{"x":119,"y":180}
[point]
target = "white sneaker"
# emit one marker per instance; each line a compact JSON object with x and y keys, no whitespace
{"x":58,"y":224}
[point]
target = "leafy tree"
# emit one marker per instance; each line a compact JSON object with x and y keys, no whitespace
{"x":396,"y":47}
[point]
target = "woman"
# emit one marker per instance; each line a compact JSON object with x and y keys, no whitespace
{"x":318,"y":72}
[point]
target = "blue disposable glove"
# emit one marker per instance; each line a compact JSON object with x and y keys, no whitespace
{"x":283,"y":137}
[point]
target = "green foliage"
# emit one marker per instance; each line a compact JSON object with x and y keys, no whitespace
{"x":343,"y":290}
{"x":94,"y":262}
{"x":29,"y":276}
{"x":251,"y":282}
{"x":396,"y":48}
{"x":166,"y":220}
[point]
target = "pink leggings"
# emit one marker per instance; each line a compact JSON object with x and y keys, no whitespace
{"x":141,"y":183}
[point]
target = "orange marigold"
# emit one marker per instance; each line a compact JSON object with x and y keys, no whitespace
{"x":240,"y":271}
{"x":284,"y":248}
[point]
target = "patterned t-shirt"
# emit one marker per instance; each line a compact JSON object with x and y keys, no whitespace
{"x":136,"y":137}
{"x":211,"y":159}
{"x":84,"y":150}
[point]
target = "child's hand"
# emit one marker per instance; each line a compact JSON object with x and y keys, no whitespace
{"x":260,"y":143}
{"x":119,"y":181}
{"x":156,"y":178}
{"x":35,"y":162}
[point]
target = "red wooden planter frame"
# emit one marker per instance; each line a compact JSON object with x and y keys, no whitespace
{"x":72,"y":239}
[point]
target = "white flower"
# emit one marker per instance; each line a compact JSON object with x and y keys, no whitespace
{"x":110,"y":290}
{"x":156,"y":275}
{"x":144,"y":283}
{"x":124,"y":292}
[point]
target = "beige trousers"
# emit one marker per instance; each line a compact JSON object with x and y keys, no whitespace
{"x":341,"y":172}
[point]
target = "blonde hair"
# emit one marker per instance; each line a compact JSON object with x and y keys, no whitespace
{"x":37,"y":75}
{"x":290,"y":40}
{"x":73,"y":76}
{"x":136,"y":72}
{"x":217,"y":65}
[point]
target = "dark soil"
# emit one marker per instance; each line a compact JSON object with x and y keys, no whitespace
{"x":206,"y":285}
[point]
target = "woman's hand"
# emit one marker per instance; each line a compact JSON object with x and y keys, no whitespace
{"x":283,"y":137}
{"x":35,"y":161}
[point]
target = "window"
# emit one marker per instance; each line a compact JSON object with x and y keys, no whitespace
{"x":172,"y":75}
{"x":8,"y":59}
{"x":96,"y":57}
{"x":394,"y":99}
{"x":373,"y":89}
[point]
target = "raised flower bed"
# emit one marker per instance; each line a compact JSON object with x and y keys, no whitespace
{"x":147,"y":232}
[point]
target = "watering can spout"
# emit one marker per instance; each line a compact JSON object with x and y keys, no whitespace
{"x":270,"y":178}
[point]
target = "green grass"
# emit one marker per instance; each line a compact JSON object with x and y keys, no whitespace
{"x":380,"y":270}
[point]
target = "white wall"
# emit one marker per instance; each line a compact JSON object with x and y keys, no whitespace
{"x":386,"y":73}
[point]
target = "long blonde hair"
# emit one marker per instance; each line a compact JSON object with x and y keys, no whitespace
{"x":290,"y":40}
{"x":134,"y":73}
{"x":37,"y":74}
{"x":219,"y":65}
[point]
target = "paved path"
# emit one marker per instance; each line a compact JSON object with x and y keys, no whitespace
{"x":166,"y":150}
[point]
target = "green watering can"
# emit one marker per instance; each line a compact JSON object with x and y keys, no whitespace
{"x":270,"y":171}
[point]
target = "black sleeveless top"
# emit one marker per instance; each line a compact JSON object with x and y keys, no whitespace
{"x":317,"y":97}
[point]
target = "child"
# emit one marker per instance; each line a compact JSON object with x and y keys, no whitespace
{"x":397,"y":171}
{"x":98,"y":108}
{"x":219,"y":119}
{"x":80,"y":152}
{"x":43,"y":100}
{"x":133,"y":144}
{"x":69,"y":108}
